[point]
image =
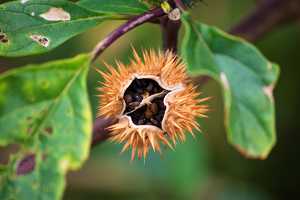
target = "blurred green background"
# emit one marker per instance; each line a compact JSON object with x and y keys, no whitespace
{"x":206,"y":168}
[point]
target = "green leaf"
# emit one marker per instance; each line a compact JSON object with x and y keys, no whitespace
{"x":45,"y":108}
{"x":38,"y":26}
{"x":247,"y":80}
{"x":132,"y":7}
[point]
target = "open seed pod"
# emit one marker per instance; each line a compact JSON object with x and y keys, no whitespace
{"x":152,"y":101}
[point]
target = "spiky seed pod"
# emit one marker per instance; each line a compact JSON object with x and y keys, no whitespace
{"x":151,"y":101}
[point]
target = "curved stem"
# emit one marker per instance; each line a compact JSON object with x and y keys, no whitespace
{"x":100,"y":132}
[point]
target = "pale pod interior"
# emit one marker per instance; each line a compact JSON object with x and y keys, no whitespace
{"x":145,"y":102}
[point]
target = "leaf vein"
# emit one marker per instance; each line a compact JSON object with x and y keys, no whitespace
{"x":64,"y":22}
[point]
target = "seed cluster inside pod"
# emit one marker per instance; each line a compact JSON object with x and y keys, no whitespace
{"x":144,"y":102}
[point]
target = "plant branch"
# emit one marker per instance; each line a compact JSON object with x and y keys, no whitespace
{"x":268,"y":15}
{"x":170,"y":29}
{"x":100,"y":132}
{"x":124,"y":28}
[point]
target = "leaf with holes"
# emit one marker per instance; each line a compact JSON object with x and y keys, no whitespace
{"x":38,"y":26}
{"x":45,"y":109}
{"x":128,"y":7}
{"x":247,"y":80}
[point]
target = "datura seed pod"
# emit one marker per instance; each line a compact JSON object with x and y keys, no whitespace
{"x":152,"y":101}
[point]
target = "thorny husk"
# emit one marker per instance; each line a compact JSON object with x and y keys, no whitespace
{"x":152,"y":101}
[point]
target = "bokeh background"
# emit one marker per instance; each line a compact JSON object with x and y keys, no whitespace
{"x":206,"y":168}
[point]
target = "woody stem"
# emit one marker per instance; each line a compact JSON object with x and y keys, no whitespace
{"x":124,"y":28}
{"x":170,"y":29}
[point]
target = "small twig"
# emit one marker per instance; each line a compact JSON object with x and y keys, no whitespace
{"x":129,"y":17}
{"x":124,"y":28}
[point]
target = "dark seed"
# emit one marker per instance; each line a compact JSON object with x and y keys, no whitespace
{"x":128,"y":98}
{"x":130,"y":109}
{"x":153,"y":108}
{"x":134,"y":104}
{"x":155,"y":90}
{"x":139,"y":83}
{"x":138,"y":97}
{"x":135,"y":121}
{"x":160,"y":89}
{"x":150,"y":86}
{"x":154,"y":122}
{"x":148,"y":123}
{"x":140,"y":90}
{"x":131,"y":106}
{"x":141,"y":122}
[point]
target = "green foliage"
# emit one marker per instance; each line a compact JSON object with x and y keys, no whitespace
{"x":247,"y":80}
{"x":45,"y":108}
{"x":115,"y":6}
{"x":39,"y":26}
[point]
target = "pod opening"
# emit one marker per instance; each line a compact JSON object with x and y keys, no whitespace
{"x":144,"y":100}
